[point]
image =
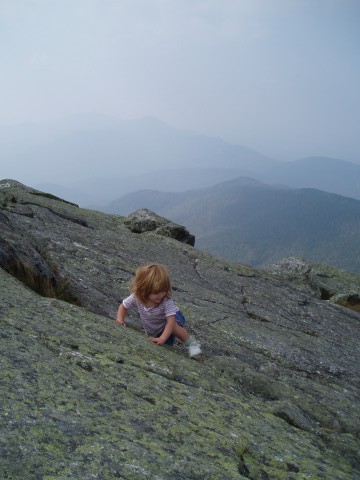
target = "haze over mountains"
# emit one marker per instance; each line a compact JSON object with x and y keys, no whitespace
{"x":323,"y":173}
{"x":93,"y":159}
{"x":85,"y":149}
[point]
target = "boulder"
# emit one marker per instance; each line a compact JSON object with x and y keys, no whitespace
{"x":144,"y":220}
{"x":324,"y":281}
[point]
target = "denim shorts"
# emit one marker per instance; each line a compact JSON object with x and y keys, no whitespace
{"x":180,"y":320}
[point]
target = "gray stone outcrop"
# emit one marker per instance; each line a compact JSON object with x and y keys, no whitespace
{"x":274,"y":396}
{"x":324,"y":281}
{"x":144,"y":220}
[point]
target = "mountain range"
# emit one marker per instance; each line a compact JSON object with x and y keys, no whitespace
{"x":92,"y":147}
{"x":250,"y":222}
{"x":323,"y":173}
{"x":93,"y":159}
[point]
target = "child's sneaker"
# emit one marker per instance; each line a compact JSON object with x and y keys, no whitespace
{"x":194,"y":348}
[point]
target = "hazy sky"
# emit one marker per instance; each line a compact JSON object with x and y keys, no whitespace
{"x":279,"y":76}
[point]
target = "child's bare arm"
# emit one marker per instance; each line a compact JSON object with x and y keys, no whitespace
{"x":121,"y":314}
{"x":168,"y":330}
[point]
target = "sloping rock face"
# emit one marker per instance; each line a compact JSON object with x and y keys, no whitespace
{"x":144,"y":220}
{"x":275,"y":395}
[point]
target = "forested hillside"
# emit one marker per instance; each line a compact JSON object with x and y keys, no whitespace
{"x":249,"y":222}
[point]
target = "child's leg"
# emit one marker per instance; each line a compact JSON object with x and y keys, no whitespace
{"x":180,"y":333}
{"x":180,"y":320}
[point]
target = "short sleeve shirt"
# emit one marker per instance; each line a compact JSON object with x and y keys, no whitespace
{"x":152,"y":318}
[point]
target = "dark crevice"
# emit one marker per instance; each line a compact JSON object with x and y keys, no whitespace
{"x":243,"y":468}
{"x":325,"y":294}
{"x":253,"y":316}
{"x":70,"y":218}
{"x":35,"y":269}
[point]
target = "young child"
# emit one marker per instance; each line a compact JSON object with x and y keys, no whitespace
{"x":161,"y":318}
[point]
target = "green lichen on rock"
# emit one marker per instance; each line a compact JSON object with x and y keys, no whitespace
{"x":274,"y":396}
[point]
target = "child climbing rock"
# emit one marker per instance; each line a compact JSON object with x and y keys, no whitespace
{"x":161,"y":318}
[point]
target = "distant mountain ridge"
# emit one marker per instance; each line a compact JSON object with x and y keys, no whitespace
{"x":326,"y":174}
{"x":94,"y":159}
{"x":246,"y":221}
{"x":100,"y":191}
{"x":323,"y":173}
{"x":97,"y":146}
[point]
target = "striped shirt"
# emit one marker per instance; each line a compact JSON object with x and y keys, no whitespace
{"x":152,"y":318}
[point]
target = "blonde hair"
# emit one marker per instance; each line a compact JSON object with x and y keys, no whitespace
{"x":149,"y":279}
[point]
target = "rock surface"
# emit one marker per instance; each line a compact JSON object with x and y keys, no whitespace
{"x":144,"y":220}
{"x":275,"y":395}
{"x":324,"y":281}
